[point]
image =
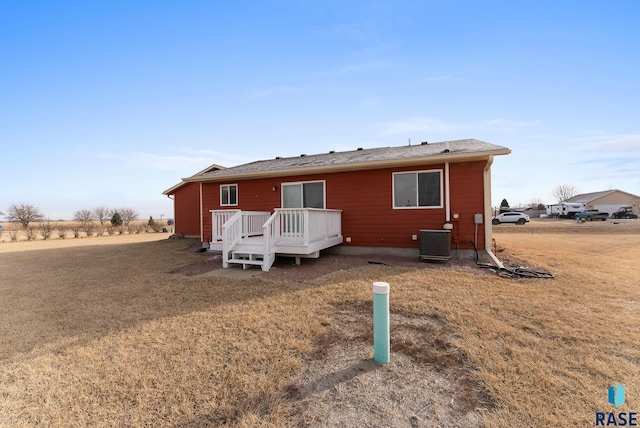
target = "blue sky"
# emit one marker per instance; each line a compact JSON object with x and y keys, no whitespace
{"x":110,"y":103}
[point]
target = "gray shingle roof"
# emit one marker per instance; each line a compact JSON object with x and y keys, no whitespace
{"x":589,"y":197}
{"x":369,"y":158}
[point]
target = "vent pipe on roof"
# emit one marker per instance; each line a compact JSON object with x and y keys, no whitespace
{"x":446,"y":150}
{"x":332,"y":152}
{"x":424,"y":143}
{"x":278,"y":157}
{"x":359,"y":148}
{"x":303,"y":155}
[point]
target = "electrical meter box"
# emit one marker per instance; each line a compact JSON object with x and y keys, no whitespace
{"x":477,"y":218}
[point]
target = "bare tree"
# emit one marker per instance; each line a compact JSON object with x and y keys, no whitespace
{"x":562,"y":192}
{"x":24,"y":214}
{"x":127,"y":215}
{"x":84,"y":217}
{"x":536,"y":204}
{"x":101,"y":214}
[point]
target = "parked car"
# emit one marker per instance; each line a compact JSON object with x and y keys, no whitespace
{"x":511,"y":217}
{"x":589,"y":215}
{"x":624,"y":212}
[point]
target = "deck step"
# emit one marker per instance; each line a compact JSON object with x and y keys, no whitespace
{"x":247,"y":258}
{"x":246,"y":261}
{"x":246,"y":255}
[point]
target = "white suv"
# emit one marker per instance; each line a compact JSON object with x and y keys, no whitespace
{"x":511,"y":217}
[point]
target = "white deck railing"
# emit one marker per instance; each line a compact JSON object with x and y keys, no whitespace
{"x":289,"y":227}
{"x":231,"y":235}
{"x":218,"y":219}
{"x":305,"y":225}
{"x":252,"y":222}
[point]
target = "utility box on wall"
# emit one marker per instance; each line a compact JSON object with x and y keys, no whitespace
{"x":477,"y":218}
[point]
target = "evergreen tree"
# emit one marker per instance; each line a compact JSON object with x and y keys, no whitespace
{"x":116,"y":220}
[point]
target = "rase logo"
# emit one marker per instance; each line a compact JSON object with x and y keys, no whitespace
{"x":616,"y":394}
{"x":615,"y":397}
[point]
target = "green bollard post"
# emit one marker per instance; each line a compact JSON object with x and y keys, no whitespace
{"x":381,"y":340}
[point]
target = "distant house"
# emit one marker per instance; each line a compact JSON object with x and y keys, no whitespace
{"x":365,"y":200}
{"x":607,"y":201}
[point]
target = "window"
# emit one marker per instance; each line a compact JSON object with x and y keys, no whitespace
{"x":303,"y":195}
{"x":228,"y":194}
{"x":421,"y":189}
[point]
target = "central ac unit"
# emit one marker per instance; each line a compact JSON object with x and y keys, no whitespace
{"x":435,"y":244}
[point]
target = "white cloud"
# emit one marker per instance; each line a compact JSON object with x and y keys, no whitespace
{"x":615,"y":143}
{"x":152,"y":161}
{"x":272,"y":90}
{"x":435,"y":79}
{"x":420,"y":124}
{"x":215,"y":156}
{"x":432,"y":124}
{"x":365,"y":67}
{"x":183,"y":161}
{"x":503,"y":124}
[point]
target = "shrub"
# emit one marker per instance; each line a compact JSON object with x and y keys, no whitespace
{"x":46,"y":229}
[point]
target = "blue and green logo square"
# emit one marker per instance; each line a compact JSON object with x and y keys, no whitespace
{"x":616,"y":395}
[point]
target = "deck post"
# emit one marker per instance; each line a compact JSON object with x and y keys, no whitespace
{"x":381,"y":339}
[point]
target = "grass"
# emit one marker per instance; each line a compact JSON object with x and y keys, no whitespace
{"x":104,"y":335}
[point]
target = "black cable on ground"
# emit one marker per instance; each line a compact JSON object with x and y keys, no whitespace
{"x":513,"y":272}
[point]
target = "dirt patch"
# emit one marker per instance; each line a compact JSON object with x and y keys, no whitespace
{"x":285,"y":269}
{"x":207,"y":262}
{"x":429,"y":382}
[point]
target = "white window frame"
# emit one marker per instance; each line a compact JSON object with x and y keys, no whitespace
{"x":229,"y":186}
{"x":301,"y":183}
{"x":417,"y":207}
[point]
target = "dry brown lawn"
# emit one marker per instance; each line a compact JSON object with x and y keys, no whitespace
{"x":100,"y":332}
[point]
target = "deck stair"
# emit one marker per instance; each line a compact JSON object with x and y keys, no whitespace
{"x":247,"y":254}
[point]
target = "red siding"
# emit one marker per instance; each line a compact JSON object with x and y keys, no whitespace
{"x":186,"y":204}
{"x":365,"y":198}
{"x":467,"y":199}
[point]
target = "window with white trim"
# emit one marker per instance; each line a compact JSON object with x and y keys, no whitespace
{"x":228,"y":195}
{"x":417,"y":189}
{"x":310,"y":194}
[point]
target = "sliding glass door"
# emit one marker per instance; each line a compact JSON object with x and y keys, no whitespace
{"x":303,"y":195}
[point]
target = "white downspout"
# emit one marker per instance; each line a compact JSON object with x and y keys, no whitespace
{"x":447,"y":194}
{"x":447,"y":199}
{"x":201,"y":217}
{"x":487,"y":213}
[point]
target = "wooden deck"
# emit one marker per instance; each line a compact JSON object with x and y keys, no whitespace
{"x":250,"y":238}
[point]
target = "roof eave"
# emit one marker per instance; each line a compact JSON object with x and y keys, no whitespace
{"x":212,"y":167}
{"x":443,"y":157}
{"x":172,"y":190}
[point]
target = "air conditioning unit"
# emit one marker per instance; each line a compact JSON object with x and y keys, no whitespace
{"x":435,"y":244}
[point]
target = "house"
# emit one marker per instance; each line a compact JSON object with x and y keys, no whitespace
{"x":187,"y":210}
{"x":365,"y":200}
{"x":607,"y":201}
